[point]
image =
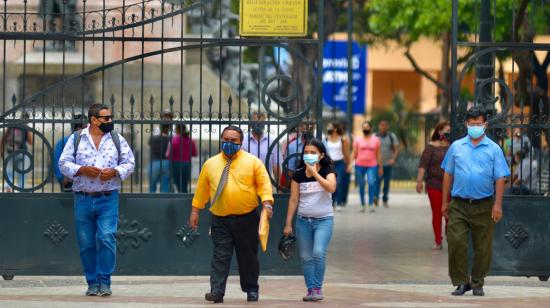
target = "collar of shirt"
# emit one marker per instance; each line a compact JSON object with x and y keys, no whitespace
{"x":468,"y":140}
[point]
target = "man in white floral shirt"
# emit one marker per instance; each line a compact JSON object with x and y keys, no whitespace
{"x":101,"y":161}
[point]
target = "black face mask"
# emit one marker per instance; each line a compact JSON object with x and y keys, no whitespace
{"x":330,"y":131}
{"x":366,"y":131}
{"x":258,"y":129}
{"x":106,"y":127}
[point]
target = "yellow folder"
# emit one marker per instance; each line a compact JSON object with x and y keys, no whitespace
{"x":263,"y":229}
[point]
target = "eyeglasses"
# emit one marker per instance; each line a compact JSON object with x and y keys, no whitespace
{"x":108,"y":118}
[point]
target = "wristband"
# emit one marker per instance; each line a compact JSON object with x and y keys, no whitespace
{"x":268,"y":206}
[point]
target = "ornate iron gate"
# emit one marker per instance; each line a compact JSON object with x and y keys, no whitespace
{"x":495,"y":56}
{"x":159,"y":65}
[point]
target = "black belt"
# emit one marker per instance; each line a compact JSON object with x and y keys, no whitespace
{"x":473,"y":201}
{"x":236,"y":216}
{"x":96,"y":193}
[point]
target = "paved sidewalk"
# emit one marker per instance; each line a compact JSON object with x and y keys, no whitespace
{"x":381,"y":259}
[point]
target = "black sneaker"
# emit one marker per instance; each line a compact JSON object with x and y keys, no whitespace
{"x":105,"y":290}
{"x":211,"y":297}
{"x":93,"y":290}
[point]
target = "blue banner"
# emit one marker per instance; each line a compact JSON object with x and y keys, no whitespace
{"x":335,"y":75}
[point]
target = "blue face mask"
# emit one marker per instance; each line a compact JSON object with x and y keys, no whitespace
{"x":311,"y":159}
{"x":476,"y":131}
{"x":229,"y":148}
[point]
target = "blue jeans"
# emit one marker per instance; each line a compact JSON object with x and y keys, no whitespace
{"x":387,"y":179}
{"x":159,"y":171}
{"x":338,"y":196}
{"x":313,"y":235}
{"x":372,"y":175}
{"x":96,"y":224}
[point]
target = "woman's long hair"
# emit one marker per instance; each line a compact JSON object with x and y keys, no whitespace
{"x":325,"y":161}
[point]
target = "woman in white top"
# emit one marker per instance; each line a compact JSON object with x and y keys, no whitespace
{"x":338,"y":148}
{"x":310,"y":195}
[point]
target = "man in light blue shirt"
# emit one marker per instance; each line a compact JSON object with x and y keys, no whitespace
{"x":257,"y":143}
{"x":475,"y":169}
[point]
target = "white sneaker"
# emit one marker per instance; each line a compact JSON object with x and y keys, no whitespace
{"x":338,"y":208}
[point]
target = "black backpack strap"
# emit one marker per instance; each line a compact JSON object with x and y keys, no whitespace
{"x":76,"y":141}
{"x":116,"y":141}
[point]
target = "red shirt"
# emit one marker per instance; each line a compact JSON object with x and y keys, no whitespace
{"x":181,"y":149}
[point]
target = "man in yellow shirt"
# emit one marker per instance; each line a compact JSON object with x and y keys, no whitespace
{"x":232,"y":182}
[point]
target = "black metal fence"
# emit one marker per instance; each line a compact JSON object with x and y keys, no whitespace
{"x":498,"y":47}
{"x":171,"y":71}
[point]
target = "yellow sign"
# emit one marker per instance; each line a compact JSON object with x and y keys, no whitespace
{"x":273,"y":18}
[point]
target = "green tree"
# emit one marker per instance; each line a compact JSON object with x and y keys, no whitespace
{"x":405,"y":22}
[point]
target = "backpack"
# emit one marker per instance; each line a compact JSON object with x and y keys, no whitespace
{"x":68,"y":183}
{"x":114,"y":135}
{"x":392,"y":135}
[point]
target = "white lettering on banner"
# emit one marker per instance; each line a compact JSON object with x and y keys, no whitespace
{"x":330,"y":76}
{"x":341,"y":63}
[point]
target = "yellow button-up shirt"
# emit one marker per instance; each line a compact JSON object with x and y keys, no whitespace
{"x":248,"y":179}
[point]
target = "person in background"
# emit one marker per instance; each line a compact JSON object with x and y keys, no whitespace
{"x":79,"y":122}
{"x":346,"y":179}
{"x":518,"y":143}
{"x":180,"y":150}
{"x":525,"y":180}
{"x":295,"y":148}
{"x":338,"y":147}
{"x":16,"y":139}
{"x":475,"y":173}
{"x":232,"y":182}
{"x":368,"y":163}
{"x":430,"y":171}
{"x":389,"y":148}
{"x":257,"y":143}
{"x":159,"y":168}
{"x":310,"y":195}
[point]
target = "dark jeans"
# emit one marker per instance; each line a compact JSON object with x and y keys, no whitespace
{"x":181,"y":175}
{"x":345,"y":190}
{"x":388,"y":170}
{"x":239,"y":233}
{"x":519,"y":190}
{"x":338,"y":195}
{"x":96,"y":224}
